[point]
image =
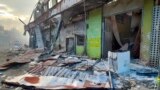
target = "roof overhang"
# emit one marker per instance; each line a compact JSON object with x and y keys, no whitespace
{"x":67,"y":8}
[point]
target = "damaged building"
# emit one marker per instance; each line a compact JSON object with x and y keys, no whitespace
{"x":94,"y":27}
{"x":91,"y":44}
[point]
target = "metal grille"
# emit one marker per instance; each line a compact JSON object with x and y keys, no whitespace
{"x":155,"y":37}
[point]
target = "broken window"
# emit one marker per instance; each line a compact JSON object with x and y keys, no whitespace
{"x":80,"y":40}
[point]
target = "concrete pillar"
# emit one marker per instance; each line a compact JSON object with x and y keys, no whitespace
{"x":146,"y":30}
{"x":94,"y":33}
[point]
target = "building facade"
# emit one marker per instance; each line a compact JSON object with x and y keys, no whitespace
{"x":94,"y":27}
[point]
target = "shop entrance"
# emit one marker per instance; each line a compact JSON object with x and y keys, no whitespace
{"x":123,"y":32}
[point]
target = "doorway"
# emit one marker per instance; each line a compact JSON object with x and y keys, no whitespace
{"x":70,"y":45}
{"x":122,"y":33}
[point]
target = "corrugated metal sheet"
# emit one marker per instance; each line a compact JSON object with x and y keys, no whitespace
{"x":52,"y":82}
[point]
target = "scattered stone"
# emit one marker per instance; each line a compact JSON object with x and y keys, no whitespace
{"x":133,"y":83}
{"x":32,"y":64}
{"x":1,"y":73}
{"x":3,"y":76}
{"x":138,"y":87}
{"x":18,"y":88}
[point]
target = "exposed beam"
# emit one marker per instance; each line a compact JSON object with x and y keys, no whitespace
{"x":60,"y":7}
{"x":57,"y":9}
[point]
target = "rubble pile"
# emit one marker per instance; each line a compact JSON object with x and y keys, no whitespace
{"x":68,"y":72}
{"x":19,"y":59}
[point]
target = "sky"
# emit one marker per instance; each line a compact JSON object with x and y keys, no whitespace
{"x":11,"y":10}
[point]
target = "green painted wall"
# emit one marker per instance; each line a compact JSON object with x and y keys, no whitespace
{"x":146,"y":29}
{"x":94,"y":33}
{"x":79,"y":50}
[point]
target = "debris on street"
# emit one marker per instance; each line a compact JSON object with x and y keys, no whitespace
{"x":20,"y":59}
{"x":72,"y":72}
{"x":85,"y":44}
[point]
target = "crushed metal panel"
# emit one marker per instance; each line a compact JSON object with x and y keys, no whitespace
{"x":46,"y":82}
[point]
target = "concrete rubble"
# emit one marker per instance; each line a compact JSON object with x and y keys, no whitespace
{"x":22,"y":58}
{"x":63,"y":71}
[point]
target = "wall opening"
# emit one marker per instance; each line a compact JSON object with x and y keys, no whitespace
{"x":80,"y":40}
{"x":70,"y":45}
{"x":123,"y":32}
{"x":46,"y":38}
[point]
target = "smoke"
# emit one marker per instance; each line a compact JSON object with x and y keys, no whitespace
{"x":9,"y":37}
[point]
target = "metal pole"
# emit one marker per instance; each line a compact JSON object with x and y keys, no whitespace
{"x":158,"y":78}
{"x":85,"y":15}
{"x":158,"y":81}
